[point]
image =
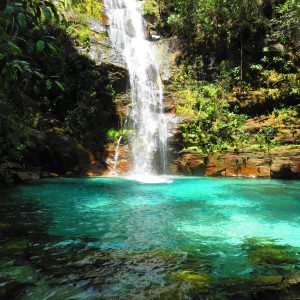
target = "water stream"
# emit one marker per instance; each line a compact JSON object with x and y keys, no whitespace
{"x":146,"y":119}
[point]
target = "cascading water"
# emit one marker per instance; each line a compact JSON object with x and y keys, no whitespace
{"x":127,"y":34}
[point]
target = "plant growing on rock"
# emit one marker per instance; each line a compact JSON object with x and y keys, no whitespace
{"x":40,"y":97}
{"x":265,"y":137}
{"x":213,"y":126}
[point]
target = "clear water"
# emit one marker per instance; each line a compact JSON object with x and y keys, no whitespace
{"x":100,"y":238}
{"x":146,"y":118}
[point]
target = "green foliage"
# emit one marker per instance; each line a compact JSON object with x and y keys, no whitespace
{"x":45,"y":85}
{"x":243,"y":40}
{"x":287,"y":116}
{"x":213,"y":126}
{"x":81,"y":34}
{"x":287,"y":22}
{"x":87,"y":8}
{"x":265,"y":137}
{"x":151,"y":8}
{"x":123,"y":133}
{"x":40,"y":45}
{"x":249,"y":53}
{"x":19,"y":21}
{"x":204,"y":21}
{"x":113,"y":133}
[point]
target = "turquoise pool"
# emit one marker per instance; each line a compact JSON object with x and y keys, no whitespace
{"x":114,"y":238}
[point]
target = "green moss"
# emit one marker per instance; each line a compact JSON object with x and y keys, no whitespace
{"x":4,"y":226}
{"x":150,"y":7}
{"x":81,"y":34}
{"x":267,"y":253}
{"x":269,"y":280}
{"x":15,"y":247}
{"x":198,"y":280}
{"x":88,"y":8}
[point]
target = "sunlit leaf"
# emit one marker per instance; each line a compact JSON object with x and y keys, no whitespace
{"x":14,"y":48}
{"x":53,"y":9}
{"x":60,"y":85}
{"x":22,"y":20}
{"x":9,"y":10}
{"x":40,"y":45}
{"x":48,"y":84}
{"x":52,"y":48}
{"x":47,"y":13}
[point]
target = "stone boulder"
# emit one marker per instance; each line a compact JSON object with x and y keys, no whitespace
{"x":169,"y":51}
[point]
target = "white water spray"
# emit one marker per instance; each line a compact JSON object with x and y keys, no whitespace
{"x":127,"y":34}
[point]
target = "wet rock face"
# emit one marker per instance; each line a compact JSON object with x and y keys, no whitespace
{"x":96,"y":26}
{"x":286,"y":165}
{"x":130,"y":29}
{"x":100,"y":49}
{"x":247,"y":165}
{"x":124,"y":163}
{"x":169,"y":51}
{"x":104,"y":164}
{"x":283,"y":164}
{"x":191,"y":164}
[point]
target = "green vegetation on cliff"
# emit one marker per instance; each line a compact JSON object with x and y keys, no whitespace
{"x":49,"y":93}
{"x":240,"y":65}
{"x":238,"y":77}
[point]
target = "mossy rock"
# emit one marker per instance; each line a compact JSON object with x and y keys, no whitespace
{"x":269,"y":280}
{"x":150,"y":10}
{"x":4,"y":226}
{"x":15,"y":247}
{"x":92,"y":258}
{"x":196,"y":279}
{"x":272,"y":254}
{"x":11,"y":289}
{"x":19,"y":273}
{"x":267,"y":251}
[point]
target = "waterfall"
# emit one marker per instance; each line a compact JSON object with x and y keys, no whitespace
{"x":146,"y":118}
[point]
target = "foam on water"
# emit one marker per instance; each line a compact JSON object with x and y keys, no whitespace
{"x":148,"y":179}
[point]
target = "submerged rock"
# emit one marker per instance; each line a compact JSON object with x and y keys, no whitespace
{"x":199,"y":280}
{"x":14,"y":247}
{"x":11,"y":289}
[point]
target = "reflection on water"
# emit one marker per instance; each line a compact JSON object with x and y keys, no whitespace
{"x":103,"y":238}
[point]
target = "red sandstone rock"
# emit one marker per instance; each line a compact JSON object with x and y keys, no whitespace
{"x":285,"y":163}
{"x":279,"y":163}
{"x":247,"y":165}
{"x":215,"y":165}
{"x":191,"y":164}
